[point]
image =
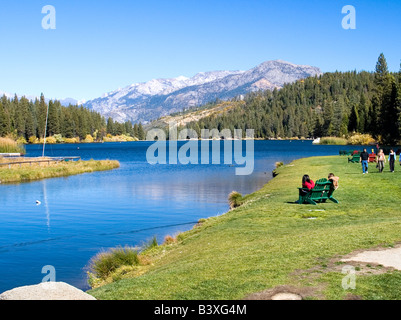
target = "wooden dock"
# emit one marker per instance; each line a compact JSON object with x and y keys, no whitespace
{"x":11,"y":154}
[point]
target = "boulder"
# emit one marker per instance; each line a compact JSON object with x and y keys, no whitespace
{"x":46,"y":291}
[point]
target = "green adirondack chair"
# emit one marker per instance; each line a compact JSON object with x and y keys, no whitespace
{"x":354,"y":158}
{"x":322,"y":191}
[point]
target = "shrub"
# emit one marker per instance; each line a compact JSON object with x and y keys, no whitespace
{"x":88,"y":138}
{"x":21,"y":141}
{"x":104,"y":263}
{"x":33,"y":139}
{"x":361,"y":139}
{"x":181,"y":236}
{"x":72,"y":140}
{"x":59,"y":138}
{"x":235,"y":199}
{"x":150,"y":244}
{"x":169,"y":239}
{"x":51,"y":140}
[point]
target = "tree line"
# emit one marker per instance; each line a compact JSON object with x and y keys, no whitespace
{"x":332,"y":104}
{"x":23,"y":118}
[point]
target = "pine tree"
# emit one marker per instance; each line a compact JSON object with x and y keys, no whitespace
{"x":353,"y":123}
{"x":53,"y":123}
{"x":21,"y":109}
{"x":4,"y":122}
{"x":398,"y":100}
{"x":362,"y":113}
{"x":110,"y":126}
{"x":318,"y":128}
{"x":391,"y":132}
{"x":381,"y":72}
{"x":328,"y":115}
{"x":42,"y":112}
{"x":385,"y":97}
{"x":141,"y":132}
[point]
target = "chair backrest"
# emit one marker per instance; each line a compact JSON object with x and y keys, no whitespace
{"x":322,"y":190}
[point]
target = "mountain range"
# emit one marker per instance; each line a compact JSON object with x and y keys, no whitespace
{"x":147,"y":101}
{"x":143,"y":102}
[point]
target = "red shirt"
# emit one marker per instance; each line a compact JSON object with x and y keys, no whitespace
{"x":309,"y":185}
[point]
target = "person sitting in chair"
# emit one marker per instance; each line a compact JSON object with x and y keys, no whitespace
{"x":334,"y":180}
{"x":307,"y":183}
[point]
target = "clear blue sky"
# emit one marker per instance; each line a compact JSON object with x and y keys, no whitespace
{"x":99,"y":46}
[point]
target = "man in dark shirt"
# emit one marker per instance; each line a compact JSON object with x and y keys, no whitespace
{"x":364,"y":158}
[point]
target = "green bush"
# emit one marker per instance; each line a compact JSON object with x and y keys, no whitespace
{"x":150,"y":244}
{"x":104,"y":263}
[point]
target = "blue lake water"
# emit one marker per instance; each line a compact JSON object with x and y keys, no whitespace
{"x":83,"y":214}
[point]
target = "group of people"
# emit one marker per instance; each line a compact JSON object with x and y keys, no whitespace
{"x":308,"y":184}
{"x":380,"y":160}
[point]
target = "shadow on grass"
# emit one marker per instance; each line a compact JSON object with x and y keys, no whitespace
{"x":360,"y":173}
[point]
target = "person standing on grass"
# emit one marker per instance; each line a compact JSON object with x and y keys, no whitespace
{"x":391,"y":159}
{"x":364,"y":159}
{"x":381,"y":160}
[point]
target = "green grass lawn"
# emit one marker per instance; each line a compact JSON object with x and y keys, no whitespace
{"x":269,"y":241}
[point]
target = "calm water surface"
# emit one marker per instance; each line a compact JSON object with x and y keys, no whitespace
{"x":83,"y":214}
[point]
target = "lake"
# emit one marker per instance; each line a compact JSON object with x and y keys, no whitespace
{"x":78,"y":216}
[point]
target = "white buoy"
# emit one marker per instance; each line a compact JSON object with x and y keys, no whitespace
{"x":38,"y":202}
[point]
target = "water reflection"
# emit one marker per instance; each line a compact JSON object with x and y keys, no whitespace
{"x":46,"y":204}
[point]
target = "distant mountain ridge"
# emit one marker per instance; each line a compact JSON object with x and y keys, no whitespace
{"x":147,"y":101}
{"x":64,"y":102}
{"x":143,"y":102}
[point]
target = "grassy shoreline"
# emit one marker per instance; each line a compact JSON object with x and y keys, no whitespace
{"x":33,"y":172}
{"x":269,"y":241}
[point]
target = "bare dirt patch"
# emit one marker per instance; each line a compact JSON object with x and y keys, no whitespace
{"x":374,"y":261}
{"x":389,"y":258}
{"x":283,"y":293}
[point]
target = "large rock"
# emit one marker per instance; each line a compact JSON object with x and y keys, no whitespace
{"x":46,"y":291}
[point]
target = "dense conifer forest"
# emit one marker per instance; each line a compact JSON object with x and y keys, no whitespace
{"x":23,"y":119}
{"x":333,"y":104}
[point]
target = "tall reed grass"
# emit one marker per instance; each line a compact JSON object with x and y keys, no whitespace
{"x":104,"y":263}
{"x":235,"y":199}
{"x":36,"y":171}
{"x":8,"y":145}
{"x":333,"y":141}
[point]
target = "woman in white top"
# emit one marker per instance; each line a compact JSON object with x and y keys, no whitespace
{"x":381,"y":160}
{"x":391,"y":159}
